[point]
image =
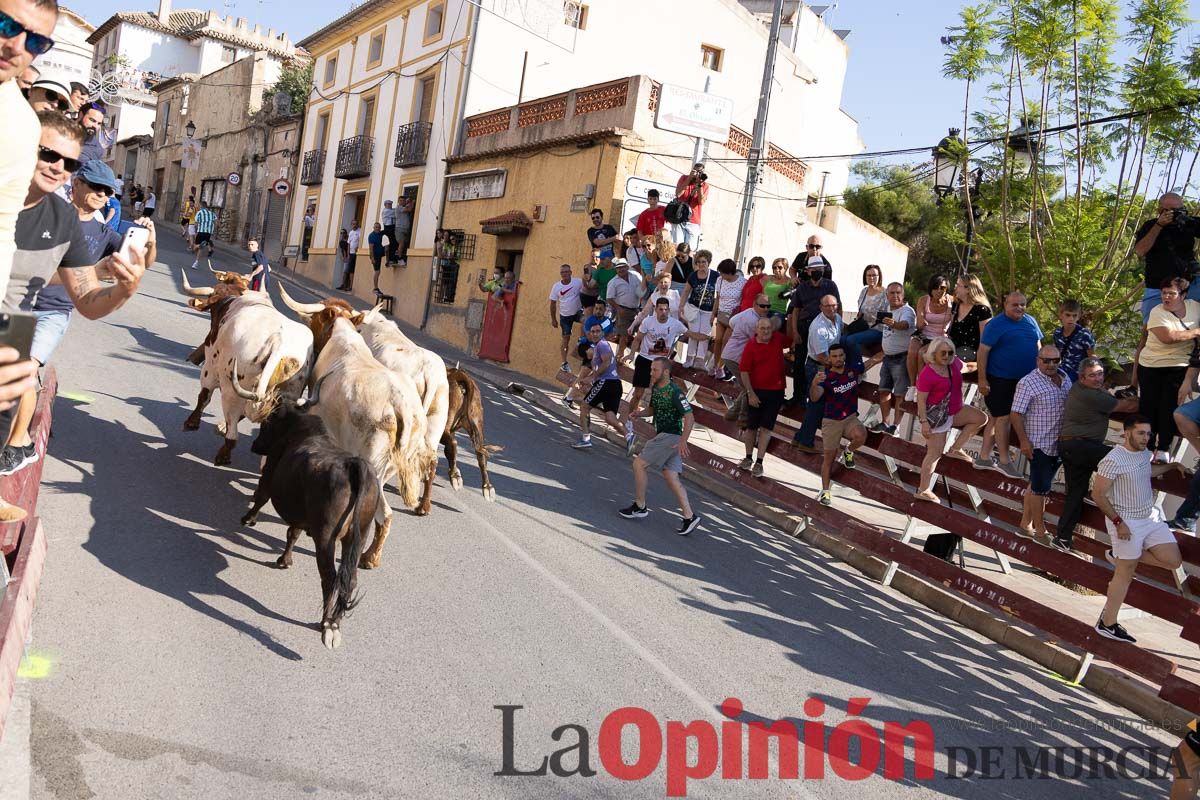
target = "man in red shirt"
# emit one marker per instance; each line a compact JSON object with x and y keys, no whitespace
{"x":652,"y":220}
{"x":693,"y":190}
{"x":839,"y":387}
{"x":763,"y":373}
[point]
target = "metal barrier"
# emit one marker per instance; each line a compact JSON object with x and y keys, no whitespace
{"x":23,"y":550}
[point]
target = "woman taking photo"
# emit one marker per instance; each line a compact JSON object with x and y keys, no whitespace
{"x":933,"y":318}
{"x":968,"y":316}
{"x":863,"y":331}
{"x":1171,"y":330}
{"x":730,"y":283}
{"x":754,"y":282}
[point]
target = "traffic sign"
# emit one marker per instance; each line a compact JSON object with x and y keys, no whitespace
{"x":234,"y":179}
{"x":692,"y":113}
{"x":282,"y":187}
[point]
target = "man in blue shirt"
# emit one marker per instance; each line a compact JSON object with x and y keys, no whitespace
{"x":606,"y":390}
{"x":375,"y":242}
{"x":1008,"y":352}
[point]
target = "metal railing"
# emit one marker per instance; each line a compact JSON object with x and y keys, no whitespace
{"x":412,"y":144}
{"x":354,"y":157}
{"x":312,"y":167}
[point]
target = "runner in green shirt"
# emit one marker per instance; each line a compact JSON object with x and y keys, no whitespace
{"x":665,"y":452}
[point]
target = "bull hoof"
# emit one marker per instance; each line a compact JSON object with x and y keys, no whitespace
{"x":249,"y":520}
{"x":456,"y":481}
{"x":220,"y":429}
{"x":191,"y":424}
{"x":222,"y":460}
{"x":367,"y":562}
{"x":489,"y":493}
{"x":421,"y":511}
{"x":331,"y":637}
{"x":283,"y":562}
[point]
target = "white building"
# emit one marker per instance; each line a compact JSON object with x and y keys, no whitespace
{"x":136,"y":49}
{"x":71,"y":58}
{"x":392,"y":95}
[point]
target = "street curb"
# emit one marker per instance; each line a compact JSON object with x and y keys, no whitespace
{"x":1106,"y":682}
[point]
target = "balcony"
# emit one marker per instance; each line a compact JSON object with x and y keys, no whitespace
{"x":354,"y":157}
{"x":412,"y":144}
{"x":312,"y":167}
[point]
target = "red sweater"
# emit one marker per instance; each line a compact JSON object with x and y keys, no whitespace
{"x":751,"y":290}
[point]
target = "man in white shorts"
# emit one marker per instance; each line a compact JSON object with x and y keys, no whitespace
{"x":656,"y":338}
{"x":1138,"y":528}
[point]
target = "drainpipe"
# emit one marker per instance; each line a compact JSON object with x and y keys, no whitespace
{"x":459,"y":143}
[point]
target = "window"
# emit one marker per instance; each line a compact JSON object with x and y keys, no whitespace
{"x":322,"y":137}
{"x":366,"y":117}
{"x":423,"y":98}
{"x":228,"y":55}
{"x":330,"y":69}
{"x":434,"y":18}
{"x":213,"y":191}
{"x":375,"y":48}
{"x":575,"y":15}
{"x":711,"y":57}
{"x":165,"y":128}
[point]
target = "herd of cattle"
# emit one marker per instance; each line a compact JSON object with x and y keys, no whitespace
{"x":377,"y":406}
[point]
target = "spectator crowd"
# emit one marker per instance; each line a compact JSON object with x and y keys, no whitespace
{"x":651,"y":296}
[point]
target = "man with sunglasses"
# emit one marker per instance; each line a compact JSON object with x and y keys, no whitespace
{"x":602,"y":235}
{"x":49,"y":94}
{"x":813,"y":254}
{"x":1036,"y":417}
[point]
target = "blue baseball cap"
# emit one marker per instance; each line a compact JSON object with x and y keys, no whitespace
{"x":99,"y":173}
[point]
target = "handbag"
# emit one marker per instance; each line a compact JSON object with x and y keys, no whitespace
{"x":691,"y":313}
{"x":939,"y":412}
{"x":857,"y":326}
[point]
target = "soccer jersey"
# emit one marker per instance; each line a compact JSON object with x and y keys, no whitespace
{"x":670,"y":407}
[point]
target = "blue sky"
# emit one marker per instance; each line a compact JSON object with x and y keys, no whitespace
{"x":894,"y":86}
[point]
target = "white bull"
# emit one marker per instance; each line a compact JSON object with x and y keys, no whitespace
{"x":273,"y":353}
{"x":428,"y":373}
{"x":368,"y":409}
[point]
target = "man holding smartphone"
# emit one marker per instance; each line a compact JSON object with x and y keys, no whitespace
{"x":51,"y":244}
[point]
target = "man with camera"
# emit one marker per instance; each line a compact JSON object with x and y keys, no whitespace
{"x":1168,"y":244}
{"x":691,"y":189}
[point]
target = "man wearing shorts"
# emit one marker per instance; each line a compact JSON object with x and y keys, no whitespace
{"x":206,"y":223}
{"x":656,"y":338}
{"x":606,"y":388}
{"x":584,"y":350}
{"x":742,"y":328}
{"x":1037,"y":417}
{"x":838,"y":388}
{"x":825,"y":330}
{"x":565,"y":305}
{"x":893,"y":371}
{"x":624,"y":294}
{"x":666,"y":451}
{"x":1138,"y":527}
{"x":1008,"y":352}
{"x":763,"y":374}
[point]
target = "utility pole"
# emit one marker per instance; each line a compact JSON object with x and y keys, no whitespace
{"x":701,"y":143}
{"x":759,"y":140}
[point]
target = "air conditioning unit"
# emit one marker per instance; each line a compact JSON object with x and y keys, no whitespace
{"x":539,"y":213}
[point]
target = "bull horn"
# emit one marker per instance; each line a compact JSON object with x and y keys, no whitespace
{"x":203,"y":291}
{"x":315,"y":391}
{"x":240,"y":390}
{"x":300,"y":308}
{"x":208,"y":263}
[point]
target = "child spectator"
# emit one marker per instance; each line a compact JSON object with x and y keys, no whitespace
{"x":1074,"y":342}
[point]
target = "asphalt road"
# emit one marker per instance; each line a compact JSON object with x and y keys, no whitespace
{"x":178,"y":663}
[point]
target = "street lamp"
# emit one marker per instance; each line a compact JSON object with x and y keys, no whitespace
{"x":190,"y":129}
{"x":1023,"y":143}
{"x":946,"y":163}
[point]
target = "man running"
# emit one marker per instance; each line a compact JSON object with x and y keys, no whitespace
{"x":606,"y":388}
{"x":839,"y":389}
{"x":206,"y":223}
{"x":673,"y":425}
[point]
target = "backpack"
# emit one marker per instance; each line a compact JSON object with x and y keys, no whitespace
{"x":677,"y":212}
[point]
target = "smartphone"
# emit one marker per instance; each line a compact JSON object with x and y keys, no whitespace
{"x":16,"y":331}
{"x":135,"y":238}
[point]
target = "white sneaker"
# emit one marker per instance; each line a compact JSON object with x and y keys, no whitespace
{"x":911,"y":394}
{"x":194,"y":264}
{"x":628,"y":427}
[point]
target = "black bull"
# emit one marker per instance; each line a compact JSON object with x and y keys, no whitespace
{"x":319,"y":488}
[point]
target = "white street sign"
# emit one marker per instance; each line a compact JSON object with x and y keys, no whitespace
{"x":693,"y":113}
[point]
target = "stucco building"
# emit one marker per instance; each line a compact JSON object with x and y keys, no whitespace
{"x":395,"y":83}
{"x":135,"y":50}
{"x":239,"y":134}
{"x":71,"y":57}
{"x":519,"y":195}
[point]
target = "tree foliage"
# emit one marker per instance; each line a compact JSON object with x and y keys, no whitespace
{"x":1063,"y":228}
{"x":296,"y":78}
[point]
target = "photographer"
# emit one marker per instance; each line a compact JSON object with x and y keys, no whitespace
{"x":693,"y":190}
{"x":1168,"y":244}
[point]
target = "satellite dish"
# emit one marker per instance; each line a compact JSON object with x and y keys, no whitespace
{"x":283,"y":103}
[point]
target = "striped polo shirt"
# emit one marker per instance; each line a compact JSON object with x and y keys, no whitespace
{"x":1131,"y":494}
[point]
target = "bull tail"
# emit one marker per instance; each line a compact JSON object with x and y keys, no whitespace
{"x":352,"y":547}
{"x":471,"y":409}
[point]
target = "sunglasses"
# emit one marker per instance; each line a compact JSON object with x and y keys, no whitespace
{"x":1050,"y":360}
{"x":763,"y":305}
{"x":813,"y":246}
{"x":60,"y":102}
{"x":95,"y":187}
{"x":51,"y":156}
{"x":35,"y":43}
